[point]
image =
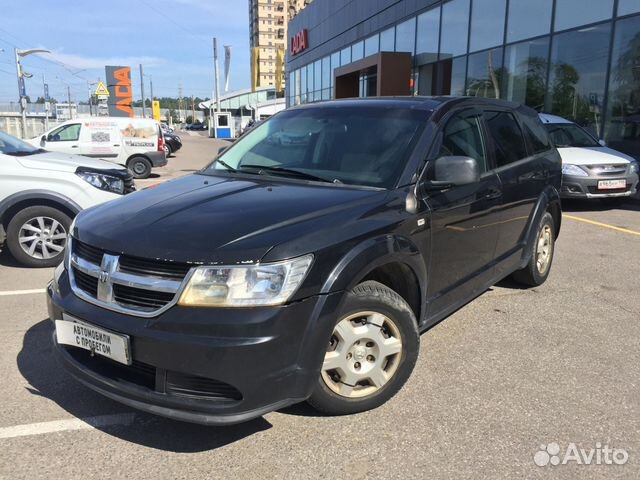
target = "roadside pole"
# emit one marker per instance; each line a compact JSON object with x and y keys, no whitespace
{"x":144,"y":115}
{"x":45,"y":95}
{"x":21,"y":93}
{"x":69,"y":102}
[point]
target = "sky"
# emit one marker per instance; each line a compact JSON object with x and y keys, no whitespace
{"x":172,"y":39}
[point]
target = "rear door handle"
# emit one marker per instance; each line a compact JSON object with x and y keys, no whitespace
{"x":74,"y":146}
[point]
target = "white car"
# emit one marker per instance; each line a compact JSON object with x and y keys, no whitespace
{"x":589,"y":168}
{"x":41,"y":192}
{"x":137,"y":143}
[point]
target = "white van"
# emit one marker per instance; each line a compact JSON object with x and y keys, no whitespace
{"x":137,"y":143}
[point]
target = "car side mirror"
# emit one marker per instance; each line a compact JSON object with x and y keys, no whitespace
{"x":221,"y":150}
{"x":43,"y":139}
{"x":452,"y":172}
{"x":602,"y":142}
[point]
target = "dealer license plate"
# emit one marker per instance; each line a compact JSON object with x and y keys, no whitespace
{"x":97,"y":340}
{"x":611,"y":184}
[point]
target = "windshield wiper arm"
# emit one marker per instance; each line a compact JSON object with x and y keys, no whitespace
{"x":226,"y":165}
{"x":287,"y":171}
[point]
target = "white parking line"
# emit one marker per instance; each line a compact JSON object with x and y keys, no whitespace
{"x":67,"y":425}
{"x":9,"y":293}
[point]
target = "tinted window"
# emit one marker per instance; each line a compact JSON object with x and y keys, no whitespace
{"x":371,"y":45}
{"x":462,"y":137}
{"x":357,"y":51}
{"x":406,"y":36}
{"x":484,"y":74}
{"x":578,"y":75}
{"x":388,"y":40}
{"x":12,"y":146}
{"x":572,"y":13}
{"x":455,"y":28}
{"x":525,"y":72}
{"x":625,"y":7}
{"x":535,"y":134}
{"x":67,"y":133}
{"x":487,"y":24}
{"x":428,"y":35}
{"x":358,"y":146}
{"x":508,"y":142}
{"x":520,"y":25}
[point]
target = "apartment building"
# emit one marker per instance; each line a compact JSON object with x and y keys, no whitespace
{"x":268,"y":39}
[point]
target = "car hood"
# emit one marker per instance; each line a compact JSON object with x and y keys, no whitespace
{"x":63,"y":162}
{"x":593,"y":156}
{"x":216,"y":219}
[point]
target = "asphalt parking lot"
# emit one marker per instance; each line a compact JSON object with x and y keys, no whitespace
{"x":510,"y":372}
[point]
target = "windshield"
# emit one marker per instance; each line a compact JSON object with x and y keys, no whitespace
{"x":366,"y":146}
{"x":570,"y":135}
{"x":13,"y":146}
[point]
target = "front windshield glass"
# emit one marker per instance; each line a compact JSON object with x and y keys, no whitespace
{"x":570,"y":135}
{"x":367,"y":146}
{"x":13,"y":146}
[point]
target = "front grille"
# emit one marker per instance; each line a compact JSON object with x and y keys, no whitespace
{"x":607,"y":170}
{"x":121,"y":282}
{"x":86,"y":283}
{"x":137,"y":373}
{"x":156,"y":379}
{"x":199,"y":387}
{"x":138,"y":298}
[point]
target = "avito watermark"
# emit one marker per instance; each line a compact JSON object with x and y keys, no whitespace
{"x":602,"y":454}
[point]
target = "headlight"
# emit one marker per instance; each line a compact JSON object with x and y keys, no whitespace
{"x":240,"y":286}
{"x":635,"y":167}
{"x":102,"y":181}
{"x":573,"y":170}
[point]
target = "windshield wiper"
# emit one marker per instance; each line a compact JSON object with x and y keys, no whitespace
{"x":287,"y":171}
{"x":226,"y":165}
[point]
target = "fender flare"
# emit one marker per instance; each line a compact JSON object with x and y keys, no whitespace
{"x":29,"y":195}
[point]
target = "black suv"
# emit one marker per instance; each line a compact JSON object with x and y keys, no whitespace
{"x":303,"y":263}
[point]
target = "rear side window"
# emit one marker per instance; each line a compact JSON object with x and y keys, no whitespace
{"x":463,"y":137}
{"x":508,"y":142}
{"x":536,"y":134}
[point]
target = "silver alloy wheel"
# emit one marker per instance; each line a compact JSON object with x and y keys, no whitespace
{"x":167,"y":152}
{"x":42,"y":237}
{"x":544,"y":250}
{"x":363,"y":354}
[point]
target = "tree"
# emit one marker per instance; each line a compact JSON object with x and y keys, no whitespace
{"x":189,"y":119}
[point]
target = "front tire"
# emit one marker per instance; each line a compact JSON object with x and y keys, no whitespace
{"x":37,"y":236}
{"x":371,"y":353}
{"x":140,"y":167}
{"x":537,"y":270}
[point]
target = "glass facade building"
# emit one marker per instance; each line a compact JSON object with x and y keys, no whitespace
{"x":579,"y":59}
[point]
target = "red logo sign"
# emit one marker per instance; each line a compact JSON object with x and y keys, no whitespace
{"x":299,"y":42}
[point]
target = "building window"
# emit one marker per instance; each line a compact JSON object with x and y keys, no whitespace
{"x":303,"y":85}
{"x":525,"y":66}
{"x":521,"y":13}
{"x":622,"y":130}
{"x":310,"y":82}
{"x":326,"y":77}
{"x":357,"y":51}
{"x":371,"y":45}
{"x":317,"y":77}
{"x":484,"y":74}
{"x":406,"y":36}
{"x":388,"y":40}
{"x":487,"y":24}
{"x":455,"y":28}
{"x":345,"y":56}
{"x":626,"y":7}
{"x":578,"y":74}
{"x":573,"y":13}
{"x":428,"y":36}
{"x":454,"y":74}
{"x":335,"y":63}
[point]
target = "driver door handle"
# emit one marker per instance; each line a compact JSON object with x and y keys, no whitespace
{"x":493,"y":192}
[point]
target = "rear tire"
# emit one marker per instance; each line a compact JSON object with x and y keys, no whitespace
{"x":140,"y":167}
{"x":167,"y":150}
{"x":371,"y":352}
{"x":37,"y":236}
{"x":537,"y":270}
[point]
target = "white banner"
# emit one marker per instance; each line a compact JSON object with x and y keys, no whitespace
{"x":227,"y":66}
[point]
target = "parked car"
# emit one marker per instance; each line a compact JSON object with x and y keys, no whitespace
{"x":166,"y":128}
{"x":590,"y":170}
{"x":172,"y":143}
{"x":134,"y":142}
{"x":41,"y":192}
{"x":299,"y":271}
{"x":197,"y":126}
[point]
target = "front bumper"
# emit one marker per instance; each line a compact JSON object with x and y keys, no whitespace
{"x":587,"y":187}
{"x":208,"y":366}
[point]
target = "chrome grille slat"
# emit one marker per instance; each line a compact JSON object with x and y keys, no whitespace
{"x":142,"y":291}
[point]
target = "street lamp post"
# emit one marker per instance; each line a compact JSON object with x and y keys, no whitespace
{"x":22,"y":91}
